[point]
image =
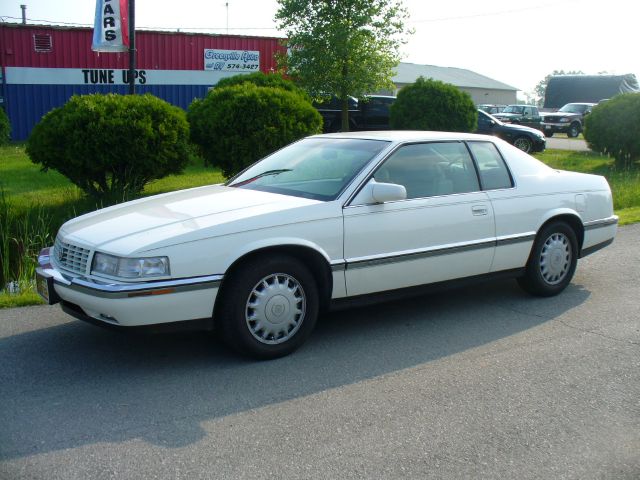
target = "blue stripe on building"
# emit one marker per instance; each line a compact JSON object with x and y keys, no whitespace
{"x":26,"y":104}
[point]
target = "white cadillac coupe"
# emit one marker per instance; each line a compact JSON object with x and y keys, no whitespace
{"x":327,"y":218}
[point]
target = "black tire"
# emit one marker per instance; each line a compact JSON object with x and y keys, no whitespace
{"x":574,"y":130}
{"x":523,"y":143}
{"x":552,"y":261}
{"x":268,"y":307}
{"x":548,"y":134}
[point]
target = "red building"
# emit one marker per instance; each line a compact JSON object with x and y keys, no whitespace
{"x":42,"y":66}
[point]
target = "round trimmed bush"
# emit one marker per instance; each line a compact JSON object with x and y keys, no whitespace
{"x":433,"y":105}
{"x":613,"y":128}
{"x":5,"y":127}
{"x":237,"y":125}
{"x":111,"y":145}
{"x":260,"y":79}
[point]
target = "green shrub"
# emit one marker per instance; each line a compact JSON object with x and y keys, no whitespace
{"x":613,"y":128}
{"x":433,"y":105}
{"x":5,"y":127}
{"x":260,"y":79}
{"x":111,"y":145}
{"x":235,"y":126}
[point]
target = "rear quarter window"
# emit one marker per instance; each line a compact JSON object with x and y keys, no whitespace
{"x":491,"y":167}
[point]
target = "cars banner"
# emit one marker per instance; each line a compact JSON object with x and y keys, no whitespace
{"x":111,"y":30}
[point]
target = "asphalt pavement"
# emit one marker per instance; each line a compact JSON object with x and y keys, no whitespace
{"x":565,"y":143}
{"x":483,"y":382}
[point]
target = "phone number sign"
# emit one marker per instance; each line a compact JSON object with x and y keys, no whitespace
{"x":231,"y":60}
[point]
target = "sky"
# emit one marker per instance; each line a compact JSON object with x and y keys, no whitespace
{"x":517,"y":42}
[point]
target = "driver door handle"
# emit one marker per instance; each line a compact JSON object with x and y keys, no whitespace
{"x":478,"y":210}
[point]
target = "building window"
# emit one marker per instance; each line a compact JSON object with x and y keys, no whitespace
{"x":42,"y":43}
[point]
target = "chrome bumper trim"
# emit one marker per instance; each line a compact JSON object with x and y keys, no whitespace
{"x":605,"y":222}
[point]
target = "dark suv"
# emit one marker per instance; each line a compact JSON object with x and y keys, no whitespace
{"x":370,"y":113}
{"x":525,"y":138}
{"x":569,"y":119}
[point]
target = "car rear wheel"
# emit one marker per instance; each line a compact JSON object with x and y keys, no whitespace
{"x":552,"y":262}
{"x":548,"y":134}
{"x":523,"y":143}
{"x":574,"y":130}
{"x":268,"y":307}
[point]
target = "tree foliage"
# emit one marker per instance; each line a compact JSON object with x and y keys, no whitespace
{"x":5,"y":127}
{"x":237,"y":125}
{"x":342,"y":47}
{"x":541,"y":88}
{"x":612,"y":129}
{"x":433,"y":105}
{"x":111,"y":145}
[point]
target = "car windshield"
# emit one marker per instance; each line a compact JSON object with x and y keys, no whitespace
{"x":573,"y":108}
{"x":317,"y":168}
{"x":513,"y":109}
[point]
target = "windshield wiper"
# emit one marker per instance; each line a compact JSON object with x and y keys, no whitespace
{"x":263,"y":174}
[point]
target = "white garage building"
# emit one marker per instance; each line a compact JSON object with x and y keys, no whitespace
{"x":482,"y":89}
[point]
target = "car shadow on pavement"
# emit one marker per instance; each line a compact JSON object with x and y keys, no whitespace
{"x":73,"y":384}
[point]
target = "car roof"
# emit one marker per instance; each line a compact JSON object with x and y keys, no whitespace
{"x":407,"y":136}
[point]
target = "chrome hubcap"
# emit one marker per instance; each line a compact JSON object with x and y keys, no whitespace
{"x":275,"y":308}
{"x":522,"y":144}
{"x":555,"y":258}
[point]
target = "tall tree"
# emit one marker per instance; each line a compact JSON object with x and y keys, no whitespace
{"x":342,"y":47}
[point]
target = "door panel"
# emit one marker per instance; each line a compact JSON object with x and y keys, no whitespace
{"x":419,"y":241}
{"x":444,"y":230}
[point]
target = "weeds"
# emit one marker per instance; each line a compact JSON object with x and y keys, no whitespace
{"x":22,"y":235}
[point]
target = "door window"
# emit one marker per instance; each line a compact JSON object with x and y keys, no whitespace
{"x":430,"y":169}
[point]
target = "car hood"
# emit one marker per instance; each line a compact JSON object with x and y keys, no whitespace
{"x":560,"y":114}
{"x":521,"y":128}
{"x":183,"y":216}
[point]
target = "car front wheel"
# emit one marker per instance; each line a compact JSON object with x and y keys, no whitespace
{"x":523,"y":143}
{"x":552,"y":262}
{"x":574,"y":130}
{"x":268,"y":308}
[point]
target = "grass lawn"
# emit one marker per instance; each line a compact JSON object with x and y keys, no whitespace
{"x":47,"y":200}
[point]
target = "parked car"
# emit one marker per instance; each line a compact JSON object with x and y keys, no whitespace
{"x":526,"y":139}
{"x":569,"y":119}
{"x":491,"y":108}
{"x":325,"y":220}
{"x":527,"y":115}
{"x":368,"y":113}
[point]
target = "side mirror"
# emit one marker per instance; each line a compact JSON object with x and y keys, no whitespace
{"x":388,"y":192}
{"x":374,"y":192}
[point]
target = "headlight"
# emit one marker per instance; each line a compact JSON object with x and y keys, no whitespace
{"x":130,"y":267}
{"x":565,"y":120}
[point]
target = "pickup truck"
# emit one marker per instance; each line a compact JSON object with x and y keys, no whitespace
{"x":369,"y":113}
{"x":569,"y":119}
{"x":527,"y":115}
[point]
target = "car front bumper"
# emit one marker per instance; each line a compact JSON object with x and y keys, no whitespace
{"x":556,"y":127}
{"x":129,"y":304}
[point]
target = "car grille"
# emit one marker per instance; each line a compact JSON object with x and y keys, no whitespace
{"x":71,"y":257}
{"x":551,"y":119}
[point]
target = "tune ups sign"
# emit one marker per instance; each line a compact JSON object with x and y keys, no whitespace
{"x":111,"y":31}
